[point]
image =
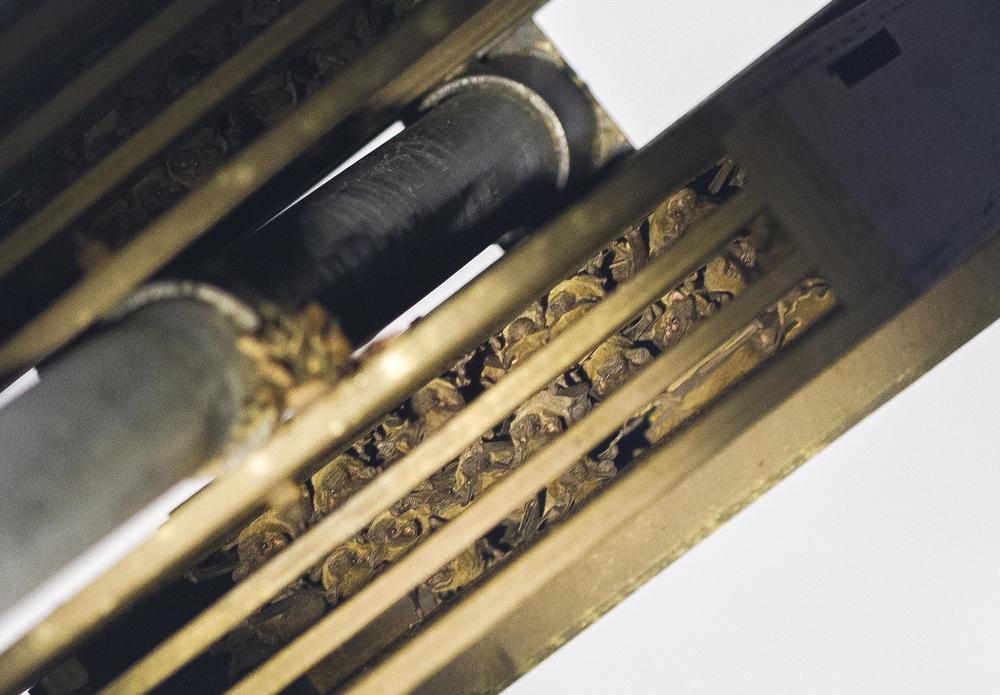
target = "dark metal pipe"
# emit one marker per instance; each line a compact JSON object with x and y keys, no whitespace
{"x":490,"y":157}
{"x":112,"y":424}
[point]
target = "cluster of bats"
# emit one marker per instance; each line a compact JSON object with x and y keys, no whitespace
{"x":536,"y":423}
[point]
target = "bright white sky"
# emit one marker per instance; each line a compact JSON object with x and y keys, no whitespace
{"x":875,"y":568}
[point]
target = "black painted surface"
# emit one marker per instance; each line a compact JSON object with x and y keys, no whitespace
{"x":377,"y":238}
{"x":913,"y":140}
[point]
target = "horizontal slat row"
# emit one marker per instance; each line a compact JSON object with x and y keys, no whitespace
{"x":534,"y":374}
{"x":490,"y":509}
{"x":470,"y":317}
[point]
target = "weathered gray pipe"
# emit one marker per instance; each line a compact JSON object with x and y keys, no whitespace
{"x":112,"y":424}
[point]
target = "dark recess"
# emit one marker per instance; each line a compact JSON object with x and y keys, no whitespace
{"x":866,"y":59}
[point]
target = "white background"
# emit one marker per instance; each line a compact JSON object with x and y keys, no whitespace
{"x":873,"y":569}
